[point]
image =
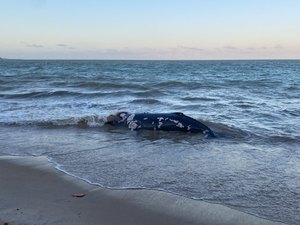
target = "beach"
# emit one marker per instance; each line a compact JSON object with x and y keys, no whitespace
{"x":34,"y":192}
{"x":57,"y":109}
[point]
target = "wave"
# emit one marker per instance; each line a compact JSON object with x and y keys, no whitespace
{"x":40,"y":94}
{"x":228,"y":132}
{"x":149,"y":93}
{"x":291,"y":112}
{"x":82,"y":122}
{"x":203,"y":99}
{"x":66,"y":93}
{"x":48,"y":94}
{"x":108,"y":85}
{"x":187,"y":85}
{"x":172,"y":84}
{"x":223,"y":132}
{"x":90,"y":121}
{"x":231,"y":133}
{"x":146,"y":101}
{"x":284,"y":139}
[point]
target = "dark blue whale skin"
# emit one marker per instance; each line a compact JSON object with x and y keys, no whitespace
{"x":160,"y":121}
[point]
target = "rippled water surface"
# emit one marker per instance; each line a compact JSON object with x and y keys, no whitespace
{"x":57,"y":109}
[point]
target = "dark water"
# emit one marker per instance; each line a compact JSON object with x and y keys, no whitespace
{"x":57,"y":108}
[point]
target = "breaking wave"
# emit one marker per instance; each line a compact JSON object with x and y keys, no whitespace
{"x":83,"y":122}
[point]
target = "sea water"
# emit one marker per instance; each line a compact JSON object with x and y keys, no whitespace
{"x":57,"y":109}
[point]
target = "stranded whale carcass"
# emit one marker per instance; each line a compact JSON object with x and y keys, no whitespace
{"x":159,"y":121}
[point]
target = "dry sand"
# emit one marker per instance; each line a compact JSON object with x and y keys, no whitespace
{"x":32,"y":192}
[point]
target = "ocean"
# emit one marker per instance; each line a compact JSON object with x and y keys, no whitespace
{"x":57,"y":108}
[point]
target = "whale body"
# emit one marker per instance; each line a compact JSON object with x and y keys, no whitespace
{"x":176,"y":121}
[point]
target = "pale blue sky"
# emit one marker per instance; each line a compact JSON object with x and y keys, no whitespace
{"x":152,"y":29}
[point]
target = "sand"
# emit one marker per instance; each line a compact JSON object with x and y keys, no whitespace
{"x":32,"y":192}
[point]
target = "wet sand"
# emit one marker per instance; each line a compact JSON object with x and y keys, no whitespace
{"x":32,"y":192}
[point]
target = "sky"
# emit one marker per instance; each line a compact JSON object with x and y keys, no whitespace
{"x":150,"y":29}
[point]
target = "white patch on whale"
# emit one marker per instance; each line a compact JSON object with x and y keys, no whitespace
{"x":174,"y":121}
{"x":179,"y":125}
{"x":133,"y":125}
{"x":123,"y":116}
{"x":130,"y":118}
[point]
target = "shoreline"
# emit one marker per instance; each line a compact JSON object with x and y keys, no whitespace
{"x":33,"y":191}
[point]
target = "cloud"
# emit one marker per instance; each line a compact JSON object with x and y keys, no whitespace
{"x":128,"y":53}
{"x":35,"y":46}
{"x":278,"y":46}
{"x":61,"y":45}
{"x":191,"y":48}
{"x":230,"y":47}
{"x":65,"y":46}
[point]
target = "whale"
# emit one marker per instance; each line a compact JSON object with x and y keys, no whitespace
{"x":175,"y":121}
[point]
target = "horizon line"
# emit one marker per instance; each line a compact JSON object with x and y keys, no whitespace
{"x":95,"y":59}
